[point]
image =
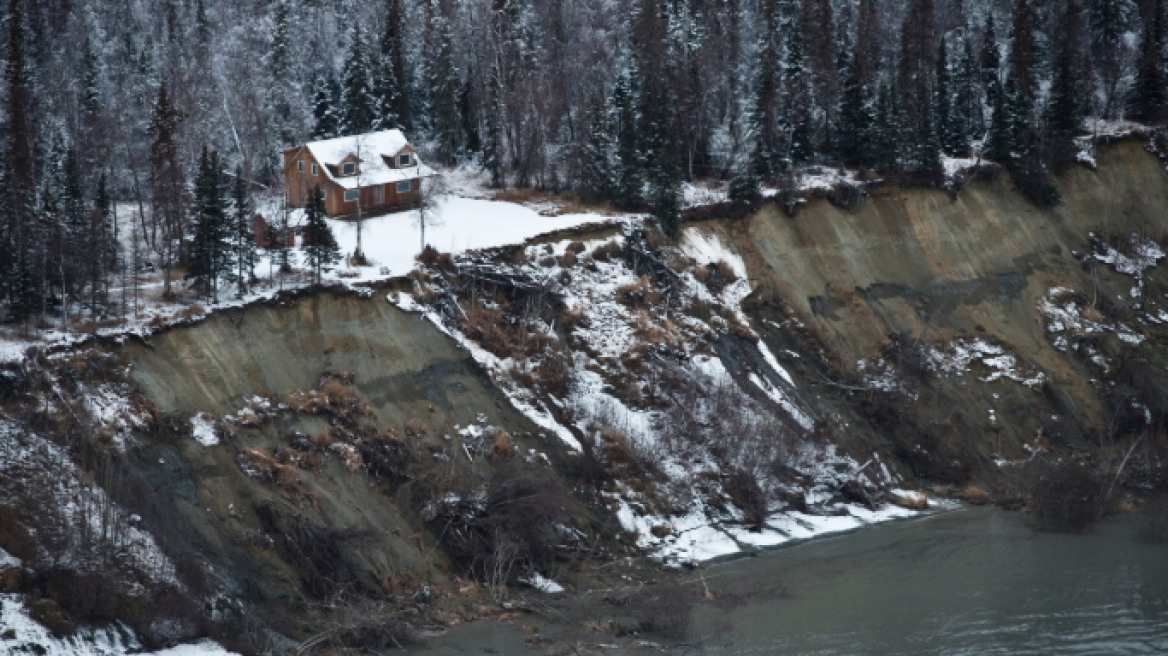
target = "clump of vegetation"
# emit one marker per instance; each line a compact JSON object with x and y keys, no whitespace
{"x":1068,"y":496}
{"x":638,"y":295}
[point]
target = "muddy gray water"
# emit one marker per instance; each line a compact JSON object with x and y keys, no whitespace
{"x":973,"y":582}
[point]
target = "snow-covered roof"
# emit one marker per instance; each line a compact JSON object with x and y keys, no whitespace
{"x":372,"y":149}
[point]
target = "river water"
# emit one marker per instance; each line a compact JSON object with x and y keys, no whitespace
{"x":980,"y":581}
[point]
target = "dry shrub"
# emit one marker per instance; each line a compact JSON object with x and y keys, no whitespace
{"x":553,"y":374}
{"x":519,"y":195}
{"x":748,"y":496}
{"x":267,"y":467}
{"x":702,"y":274}
{"x":249,"y":419}
{"x":640,"y":294}
{"x":487,"y":326}
{"x":1092,"y":314}
{"x":350,"y":457}
{"x":502,"y":446}
{"x":432,"y":258}
{"x":607,"y":251}
{"x":698,"y":309}
{"x":1067,"y":496}
{"x":663,"y":609}
{"x":617,"y":449}
{"x":573,"y":317}
{"x":568,"y":260}
{"x":547,"y":262}
{"x":912,"y":501}
{"x":327,"y":558}
{"x":657,"y":333}
{"x":576,"y":247}
{"x":48,"y":614}
{"x":323,"y":439}
{"x":974,"y":496}
{"x":415,"y":428}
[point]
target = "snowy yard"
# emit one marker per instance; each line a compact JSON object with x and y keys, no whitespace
{"x":464,"y":224}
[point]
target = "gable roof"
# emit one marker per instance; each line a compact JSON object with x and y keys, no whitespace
{"x":373,"y":149}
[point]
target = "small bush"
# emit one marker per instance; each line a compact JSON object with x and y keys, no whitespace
{"x":1067,"y":496}
{"x":576,"y":247}
{"x":553,"y":375}
{"x":745,"y":492}
{"x":607,"y":251}
{"x":639,"y":294}
{"x":663,"y":609}
{"x":568,"y":260}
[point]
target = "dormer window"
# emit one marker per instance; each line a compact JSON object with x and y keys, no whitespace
{"x":300,"y":166}
{"x":403,"y":160}
{"x":348,"y":168}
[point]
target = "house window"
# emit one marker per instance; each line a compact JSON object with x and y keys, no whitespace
{"x":403,"y":187}
{"x":314,"y":169}
{"x":377,"y":194}
{"x":351,"y":196}
{"x":348,"y":168}
{"x":300,"y":166}
{"x":323,"y":194}
{"x":403,"y":160}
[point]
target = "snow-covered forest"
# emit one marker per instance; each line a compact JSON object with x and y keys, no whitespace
{"x":612,"y":100}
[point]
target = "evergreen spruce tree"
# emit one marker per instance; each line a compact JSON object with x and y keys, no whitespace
{"x":21,"y":261}
{"x":90,"y":84}
{"x":763,"y":127}
{"x":493,"y":146}
{"x":320,"y":246}
{"x":1110,"y":21}
{"x":326,"y":109}
{"x":629,"y":189}
{"x":472,"y":140}
{"x":999,"y":143}
{"x":949,"y":137}
{"x":1063,"y":114}
{"x":395,"y":102}
{"x":855,"y":117}
{"x":102,"y":259}
{"x":243,"y":247}
{"x":1149,"y":94}
{"x":358,"y":103}
{"x":926,"y":147}
{"x":885,"y":135}
{"x":75,"y":246}
{"x":798,"y":103}
{"x":967,"y":119}
{"x":1023,"y":49}
{"x":444,"y":87}
{"x":596,"y":178}
{"x":665,"y":178}
{"x":210,"y":256}
{"x":991,"y":63}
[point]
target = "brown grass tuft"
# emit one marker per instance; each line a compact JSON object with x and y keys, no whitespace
{"x":974,"y":495}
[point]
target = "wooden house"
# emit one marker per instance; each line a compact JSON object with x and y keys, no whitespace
{"x":368,"y":173}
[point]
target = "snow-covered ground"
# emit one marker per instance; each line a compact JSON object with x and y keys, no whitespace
{"x":463,"y":224}
{"x":20,"y":634}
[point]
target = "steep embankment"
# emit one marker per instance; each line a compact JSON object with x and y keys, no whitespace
{"x":954,"y":274}
{"x":342,"y":493}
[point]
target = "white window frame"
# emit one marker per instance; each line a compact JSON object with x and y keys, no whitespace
{"x":345,"y":168}
{"x":409,"y":187}
{"x":315,"y":170}
{"x":300,"y":166}
{"x":404,"y":160}
{"x":356,"y":195}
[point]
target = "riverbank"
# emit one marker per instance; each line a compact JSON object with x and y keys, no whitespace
{"x":976,"y":582}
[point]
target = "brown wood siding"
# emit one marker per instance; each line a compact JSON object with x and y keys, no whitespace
{"x":298,"y":184}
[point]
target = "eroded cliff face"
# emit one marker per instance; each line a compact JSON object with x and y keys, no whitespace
{"x":915,"y":275}
{"x":284,"y":496}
